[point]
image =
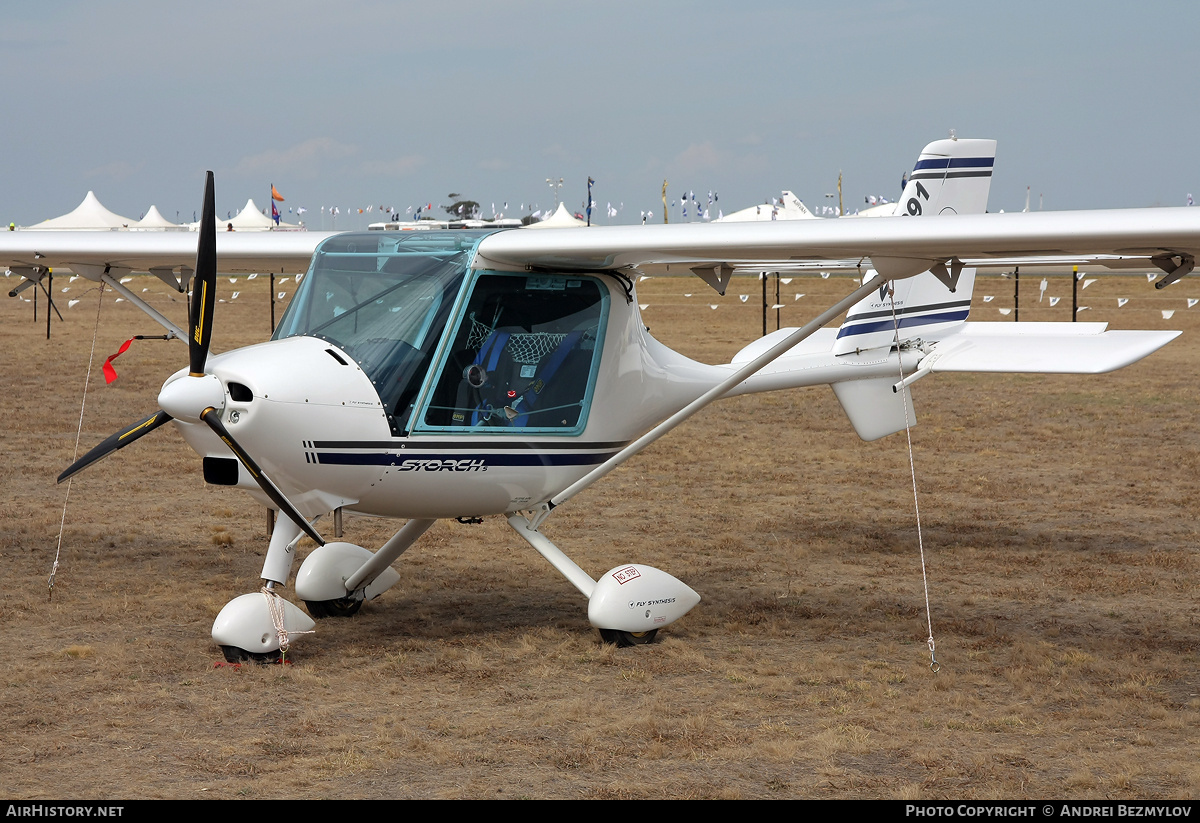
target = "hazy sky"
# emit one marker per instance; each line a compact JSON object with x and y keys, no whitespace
{"x":349,"y":104}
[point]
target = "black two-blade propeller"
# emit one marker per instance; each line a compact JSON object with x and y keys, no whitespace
{"x":199,"y":397}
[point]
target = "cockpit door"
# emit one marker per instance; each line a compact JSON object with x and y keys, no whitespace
{"x":523,"y":358}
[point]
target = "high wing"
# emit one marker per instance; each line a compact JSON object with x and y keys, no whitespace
{"x":1097,"y":235}
{"x":1165,"y":237}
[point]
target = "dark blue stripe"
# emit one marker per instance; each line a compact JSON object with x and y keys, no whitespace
{"x":506,"y":442}
{"x":386,"y":459}
{"x":972,"y":162}
{"x":955,"y":163}
{"x":948,"y":175}
{"x":905,"y":323}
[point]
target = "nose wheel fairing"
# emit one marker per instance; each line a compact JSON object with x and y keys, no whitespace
{"x":258,"y":626}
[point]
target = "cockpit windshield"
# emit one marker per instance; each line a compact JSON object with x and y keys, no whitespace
{"x":384,"y":299}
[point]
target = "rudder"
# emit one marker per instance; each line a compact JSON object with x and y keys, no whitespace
{"x":950,"y":177}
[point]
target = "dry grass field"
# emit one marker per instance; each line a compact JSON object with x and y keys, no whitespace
{"x":1059,"y":523}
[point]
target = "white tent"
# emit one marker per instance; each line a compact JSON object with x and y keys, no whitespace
{"x":154,"y":221}
{"x":559,"y":220}
{"x":88,"y":215}
{"x":250,"y":219}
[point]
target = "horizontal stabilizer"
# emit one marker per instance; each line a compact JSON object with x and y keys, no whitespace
{"x":865,"y":382}
{"x":1043,"y":348}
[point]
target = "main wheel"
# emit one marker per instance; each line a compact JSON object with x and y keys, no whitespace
{"x":626,"y":639}
{"x":342,"y":607}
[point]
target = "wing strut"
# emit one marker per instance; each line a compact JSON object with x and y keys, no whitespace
{"x":718,"y":391}
{"x":110,"y":276}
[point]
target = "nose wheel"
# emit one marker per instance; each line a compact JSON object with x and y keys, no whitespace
{"x":235,"y":655}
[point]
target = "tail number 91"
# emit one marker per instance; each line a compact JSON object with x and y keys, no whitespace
{"x":914,"y":205}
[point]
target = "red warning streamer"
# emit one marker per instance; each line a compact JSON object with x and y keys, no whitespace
{"x":110,"y":374}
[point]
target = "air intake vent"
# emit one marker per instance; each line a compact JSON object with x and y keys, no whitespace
{"x":240,"y":393}
{"x":220,"y":471}
{"x":337,"y":357}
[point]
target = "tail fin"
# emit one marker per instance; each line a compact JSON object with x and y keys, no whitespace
{"x":951,"y":177}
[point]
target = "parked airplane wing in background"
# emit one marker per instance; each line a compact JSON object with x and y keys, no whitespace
{"x":263,"y":252}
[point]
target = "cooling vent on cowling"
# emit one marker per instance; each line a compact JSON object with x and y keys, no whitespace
{"x":240,"y":393}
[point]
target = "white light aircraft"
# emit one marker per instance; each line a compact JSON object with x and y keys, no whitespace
{"x":460,"y":374}
{"x":789,"y":207}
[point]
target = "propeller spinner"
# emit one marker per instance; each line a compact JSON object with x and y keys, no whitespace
{"x":200,"y":396}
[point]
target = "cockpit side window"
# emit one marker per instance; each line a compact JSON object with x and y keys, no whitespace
{"x":523,"y":358}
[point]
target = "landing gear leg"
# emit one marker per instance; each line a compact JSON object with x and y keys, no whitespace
{"x":281,"y":552}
